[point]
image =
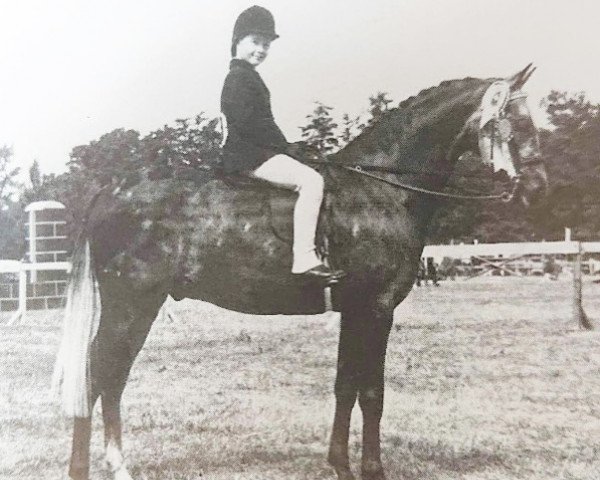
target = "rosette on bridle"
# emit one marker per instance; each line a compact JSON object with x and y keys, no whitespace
{"x":495,"y":130}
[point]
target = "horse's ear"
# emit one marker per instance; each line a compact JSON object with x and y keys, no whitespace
{"x":520,"y":78}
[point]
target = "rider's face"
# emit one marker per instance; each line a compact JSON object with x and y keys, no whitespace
{"x":253,"y":48}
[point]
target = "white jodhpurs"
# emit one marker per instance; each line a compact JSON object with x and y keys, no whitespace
{"x":286,"y":172}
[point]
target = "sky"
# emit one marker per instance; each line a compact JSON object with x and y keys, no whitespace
{"x":73,"y":70}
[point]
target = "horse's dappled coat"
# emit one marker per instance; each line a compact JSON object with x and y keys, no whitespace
{"x":203,"y":238}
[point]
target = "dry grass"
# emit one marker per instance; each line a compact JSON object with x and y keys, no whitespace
{"x":486,"y":380}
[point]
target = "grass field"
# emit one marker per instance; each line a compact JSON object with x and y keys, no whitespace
{"x":486,"y":380}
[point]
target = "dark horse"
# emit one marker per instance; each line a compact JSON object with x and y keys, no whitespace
{"x":208,"y":239}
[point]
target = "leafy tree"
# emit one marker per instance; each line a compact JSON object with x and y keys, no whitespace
{"x":378,"y":105}
{"x":108,"y":160}
{"x":569,"y":112}
{"x":12,"y":230}
{"x":572,"y":154}
{"x":8,"y":176}
{"x":351,"y":128}
{"x":190,"y":143}
{"x":320,"y":132}
{"x":35,"y":176}
{"x":11,"y":218}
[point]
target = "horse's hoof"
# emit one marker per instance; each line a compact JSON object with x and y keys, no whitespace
{"x":338,"y":459}
{"x":344,"y":474}
{"x":373,"y":474}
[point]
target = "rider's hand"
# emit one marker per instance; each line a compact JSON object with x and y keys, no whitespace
{"x":303,"y":152}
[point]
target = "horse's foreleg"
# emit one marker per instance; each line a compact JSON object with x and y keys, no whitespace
{"x":371,"y":388}
{"x":346,"y":390}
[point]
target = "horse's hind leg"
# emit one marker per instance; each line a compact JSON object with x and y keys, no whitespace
{"x":120,"y":338}
{"x":79,"y":466}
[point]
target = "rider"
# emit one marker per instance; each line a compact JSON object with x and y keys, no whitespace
{"x":256,"y":146}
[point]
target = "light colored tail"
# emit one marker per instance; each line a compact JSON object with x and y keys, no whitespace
{"x":82,"y":317}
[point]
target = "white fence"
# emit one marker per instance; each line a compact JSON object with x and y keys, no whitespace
{"x":21,"y":269}
{"x":509,"y":249}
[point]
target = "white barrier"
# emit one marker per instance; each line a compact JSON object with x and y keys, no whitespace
{"x":504,"y":251}
{"x":508,"y":249}
{"x":15,"y":266}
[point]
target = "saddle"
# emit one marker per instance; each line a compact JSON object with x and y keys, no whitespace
{"x":278,"y":204}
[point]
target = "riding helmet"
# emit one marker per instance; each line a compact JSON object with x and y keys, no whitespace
{"x":253,"y":20}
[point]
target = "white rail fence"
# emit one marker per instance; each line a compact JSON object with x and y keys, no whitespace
{"x":20,"y":269}
{"x":499,"y":256}
{"x":510,"y":249}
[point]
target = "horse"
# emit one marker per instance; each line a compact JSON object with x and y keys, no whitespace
{"x":228,"y":243}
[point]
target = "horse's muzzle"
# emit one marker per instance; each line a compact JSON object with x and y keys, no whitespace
{"x":534,"y":182}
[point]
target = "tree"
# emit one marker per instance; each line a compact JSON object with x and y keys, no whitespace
{"x":190,"y":143}
{"x":569,"y":111}
{"x":35,"y":176}
{"x":110,"y":159}
{"x":572,"y":155}
{"x":378,"y":105}
{"x":12,"y":240}
{"x":8,"y":176}
{"x":351,"y":128}
{"x":320,"y":132}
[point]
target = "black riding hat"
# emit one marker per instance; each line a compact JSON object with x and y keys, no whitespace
{"x":253,"y":20}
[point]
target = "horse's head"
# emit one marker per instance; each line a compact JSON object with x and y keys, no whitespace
{"x":508,"y":138}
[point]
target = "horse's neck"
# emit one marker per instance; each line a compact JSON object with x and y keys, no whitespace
{"x":420,"y":133}
{"x":357,"y":199}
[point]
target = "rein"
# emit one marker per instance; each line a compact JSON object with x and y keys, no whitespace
{"x":504,"y":196}
{"x":364,"y":170}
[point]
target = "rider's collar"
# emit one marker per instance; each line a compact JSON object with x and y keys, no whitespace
{"x":237,"y":62}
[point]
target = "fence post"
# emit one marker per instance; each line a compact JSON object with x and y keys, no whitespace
{"x":32,"y":243}
{"x":583,"y":322}
{"x":22,"y":308}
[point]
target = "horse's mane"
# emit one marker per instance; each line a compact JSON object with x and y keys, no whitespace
{"x":435,"y":110}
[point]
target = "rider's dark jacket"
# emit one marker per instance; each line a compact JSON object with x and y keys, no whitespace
{"x":253,"y":137}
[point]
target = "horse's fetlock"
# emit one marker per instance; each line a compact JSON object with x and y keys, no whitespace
{"x":79,"y":473}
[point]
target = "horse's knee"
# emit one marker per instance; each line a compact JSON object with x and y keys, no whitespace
{"x":371,"y":401}
{"x":346,"y":390}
